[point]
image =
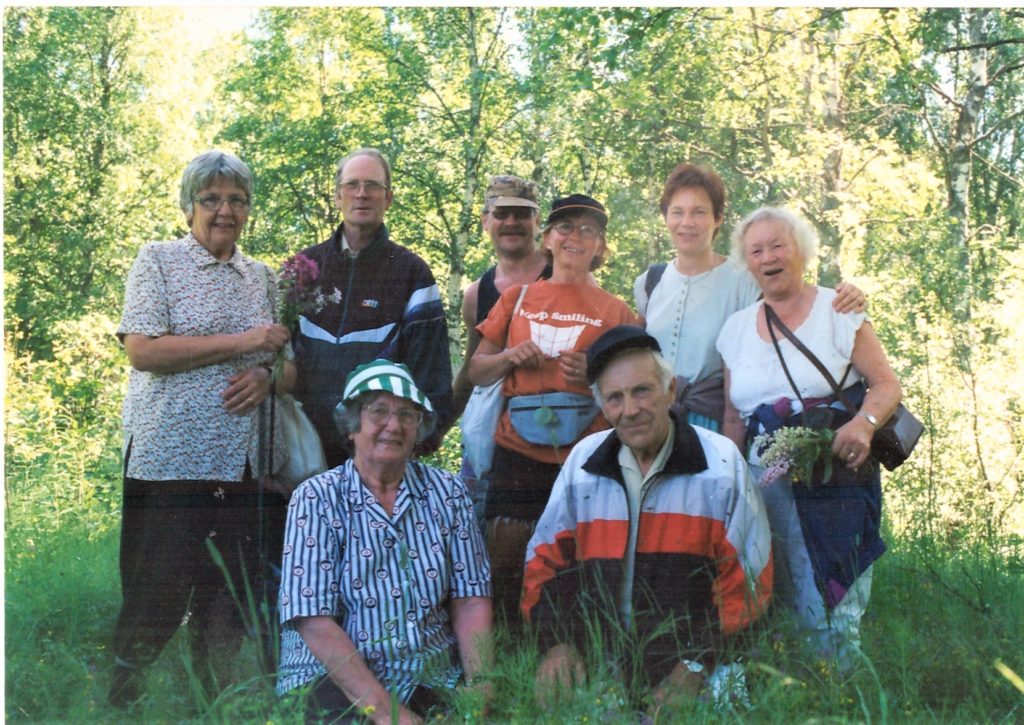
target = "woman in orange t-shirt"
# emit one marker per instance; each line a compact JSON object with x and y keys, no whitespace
{"x":540,"y":346}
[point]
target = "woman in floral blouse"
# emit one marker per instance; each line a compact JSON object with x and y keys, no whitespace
{"x":199,"y":332}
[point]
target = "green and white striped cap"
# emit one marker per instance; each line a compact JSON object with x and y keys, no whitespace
{"x":385,"y":376}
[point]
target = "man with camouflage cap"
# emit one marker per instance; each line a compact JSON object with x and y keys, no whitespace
{"x":511,"y":217}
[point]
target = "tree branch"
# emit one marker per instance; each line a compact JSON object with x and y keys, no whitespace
{"x":995,"y":75}
{"x":1002,"y":122}
{"x":978,"y":46}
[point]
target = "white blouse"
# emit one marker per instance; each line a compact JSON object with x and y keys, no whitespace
{"x":756,"y":375}
{"x":685,"y":314}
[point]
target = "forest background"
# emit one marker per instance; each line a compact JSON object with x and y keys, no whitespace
{"x":899,"y":133}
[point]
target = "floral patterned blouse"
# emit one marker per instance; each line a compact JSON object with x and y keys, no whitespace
{"x":174,"y":422}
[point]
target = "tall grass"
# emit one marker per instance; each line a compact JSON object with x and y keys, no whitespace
{"x":937,"y":623}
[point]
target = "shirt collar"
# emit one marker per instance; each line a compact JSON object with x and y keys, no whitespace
{"x":410,"y":489}
{"x":342,"y":241}
{"x":201,"y":256}
{"x":627,"y":458}
{"x":686,"y":456}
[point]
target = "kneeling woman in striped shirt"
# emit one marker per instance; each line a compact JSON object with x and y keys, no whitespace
{"x":385,"y":592}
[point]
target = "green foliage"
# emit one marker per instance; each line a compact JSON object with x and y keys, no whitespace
{"x":87,"y":175}
{"x":62,"y":431}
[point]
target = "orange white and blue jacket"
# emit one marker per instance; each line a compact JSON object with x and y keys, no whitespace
{"x":702,"y":569}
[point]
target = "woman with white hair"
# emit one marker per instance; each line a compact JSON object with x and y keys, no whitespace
{"x":685,"y":301}
{"x":198,"y":328}
{"x":826,"y":532}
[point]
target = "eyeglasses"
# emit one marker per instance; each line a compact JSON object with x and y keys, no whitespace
{"x":521,"y":213}
{"x":354,"y":186}
{"x":213,"y":202}
{"x":586,"y":231}
{"x":380,"y":414}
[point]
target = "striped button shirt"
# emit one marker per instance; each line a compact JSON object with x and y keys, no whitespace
{"x":386,"y":580}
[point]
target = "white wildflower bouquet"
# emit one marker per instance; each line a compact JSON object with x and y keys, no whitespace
{"x":795,"y":451}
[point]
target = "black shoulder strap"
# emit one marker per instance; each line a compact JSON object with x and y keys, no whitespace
{"x":654,"y":274}
{"x":486,"y":294}
{"x":773,"y":321}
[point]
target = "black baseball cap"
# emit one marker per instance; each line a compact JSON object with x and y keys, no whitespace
{"x":616,"y":340}
{"x":576,"y":203}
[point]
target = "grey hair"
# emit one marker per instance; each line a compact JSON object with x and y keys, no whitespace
{"x":365,"y":151}
{"x":348,"y":421}
{"x":205,"y":169}
{"x":665,"y":372}
{"x":804,"y":234}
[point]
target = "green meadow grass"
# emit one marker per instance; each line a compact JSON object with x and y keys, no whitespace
{"x":937,"y":623}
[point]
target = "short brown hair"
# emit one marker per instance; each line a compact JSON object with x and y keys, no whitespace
{"x":691,"y":176}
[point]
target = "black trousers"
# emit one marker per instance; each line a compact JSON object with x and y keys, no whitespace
{"x":517,"y":492}
{"x":169,"y":576}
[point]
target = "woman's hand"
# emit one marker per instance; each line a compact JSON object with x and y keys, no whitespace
{"x":849,"y":298}
{"x":525,"y":355}
{"x":246,"y":390}
{"x":574,"y":367}
{"x":402,"y":716}
{"x":265,"y":338}
{"x":490,"y":362}
{"x":852,"y":443}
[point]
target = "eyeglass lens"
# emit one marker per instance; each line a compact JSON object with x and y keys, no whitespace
{"x":354,"y":186}
{"x":521,"y":213}
{"x":381,"y":414}
{"x":566,"y":228}
{"x":213,"y":203}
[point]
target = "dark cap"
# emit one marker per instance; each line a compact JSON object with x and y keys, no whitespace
{"x":616,"y":340}
{"x":510,"y":191}
{"x":576,"y":203}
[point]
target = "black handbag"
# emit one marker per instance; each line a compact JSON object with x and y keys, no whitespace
{"x":894,"y":440}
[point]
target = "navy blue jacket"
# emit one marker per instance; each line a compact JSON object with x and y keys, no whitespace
{"x":390,"y":308}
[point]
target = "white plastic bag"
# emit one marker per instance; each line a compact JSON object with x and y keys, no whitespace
{"x":481,"y":416}
{"x":480,"y":423}
{"x":305,"y":453}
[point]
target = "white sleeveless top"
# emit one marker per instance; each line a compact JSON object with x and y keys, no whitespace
{"x":756,"y":373}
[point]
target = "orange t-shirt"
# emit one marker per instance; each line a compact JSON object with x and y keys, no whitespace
{"x":558,"y":318}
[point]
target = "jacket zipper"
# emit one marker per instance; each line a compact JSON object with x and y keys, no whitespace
{"x":348,"y":291}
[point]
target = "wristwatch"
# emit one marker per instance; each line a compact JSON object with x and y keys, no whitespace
{"x":871,"y":419}
{"x":692,"y":666}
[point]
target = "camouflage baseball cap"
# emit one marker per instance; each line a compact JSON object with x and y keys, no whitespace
{"x":510,"y":191}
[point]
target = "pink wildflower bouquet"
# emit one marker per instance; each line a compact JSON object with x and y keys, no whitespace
{"x":795,"y":451}
{"x":298,"y":292}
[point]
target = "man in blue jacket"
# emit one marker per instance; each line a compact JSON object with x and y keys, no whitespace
{"x":389,"y":307}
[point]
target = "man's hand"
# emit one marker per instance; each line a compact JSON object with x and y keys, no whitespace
{"x":561,"y":669}
{"x":679,"y":684}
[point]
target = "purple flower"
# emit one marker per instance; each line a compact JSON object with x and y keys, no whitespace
{"x":300,"y":270}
